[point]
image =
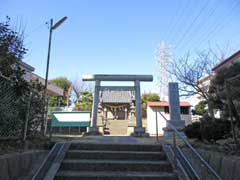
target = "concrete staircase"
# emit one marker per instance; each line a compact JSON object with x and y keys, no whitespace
{"x":115,"y":162}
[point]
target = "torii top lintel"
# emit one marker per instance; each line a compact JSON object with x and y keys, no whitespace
{"x":116,"y":77}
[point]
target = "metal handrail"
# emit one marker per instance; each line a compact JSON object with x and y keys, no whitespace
{"x":191,"y":148}
{"x":46,"y":164}
{"x":180,"y":165}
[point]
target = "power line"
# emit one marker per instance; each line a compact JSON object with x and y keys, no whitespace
{"x":202,"y":24}
{"x":191,"y":25}
{"x":219,"y":26}
{"x":35,"y":29}
{"x":174,"y":19}
{"x":179,"y":20}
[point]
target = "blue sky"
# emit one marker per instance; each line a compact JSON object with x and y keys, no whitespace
{"x":120,"y":36}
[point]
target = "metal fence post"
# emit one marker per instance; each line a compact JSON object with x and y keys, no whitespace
{"x":175,"y":149}
{"x":27,"y":116}
{"x":43,"y":114}
{"x":46,"y":119}
{"x":203,"y":172}
{"x":157,"y":127}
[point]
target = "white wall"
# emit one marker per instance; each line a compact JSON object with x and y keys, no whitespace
{"x":151,"y":120}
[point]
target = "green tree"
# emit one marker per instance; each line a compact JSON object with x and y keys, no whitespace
{"x":201,"y":108}
{"x":65,"y":84}
{"x":147,"y":97}
{"x":84,"y":102}
{"x":11,"y":51}
{"x":15,"y":90}
{"x":225,"y":87}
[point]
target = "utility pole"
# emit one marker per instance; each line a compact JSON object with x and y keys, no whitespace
{"x":51,"y":28}
{"x":48,"y":56}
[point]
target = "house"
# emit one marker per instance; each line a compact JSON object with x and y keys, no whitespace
{"x":162,"y":107}
{"x":227,"y":62}
{"x":235,"y":58}
{"x":52,"y":90}
{"x":205,"y":81}
{"x":28,"y":70}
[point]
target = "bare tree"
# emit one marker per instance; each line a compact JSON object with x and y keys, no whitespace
{"x":221,"y":52}
{"x":79,"y":86}
{"x":194,"y":75}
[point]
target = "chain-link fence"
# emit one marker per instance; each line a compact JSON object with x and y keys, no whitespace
{"x":21,"y":110}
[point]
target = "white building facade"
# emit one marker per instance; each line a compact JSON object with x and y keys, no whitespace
{"x":153,"y":112}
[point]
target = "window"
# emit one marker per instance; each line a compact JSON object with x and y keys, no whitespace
{"x":184,"y":110}
{"x":166,"y":109}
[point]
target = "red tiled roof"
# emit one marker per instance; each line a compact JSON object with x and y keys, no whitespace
{"x":228,"y":60}
{"x":165,"y":103}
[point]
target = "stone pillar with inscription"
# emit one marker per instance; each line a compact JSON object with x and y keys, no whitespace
{"x":174,"y":108}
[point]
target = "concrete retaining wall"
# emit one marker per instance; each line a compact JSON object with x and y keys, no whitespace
{"x":19,"y":166}
{"x":228,"y":167}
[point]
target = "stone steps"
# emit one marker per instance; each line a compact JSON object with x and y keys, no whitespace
{"x":116,"y":165}
{"x":116,"y":147}
{"x":116,"y":175}
{"x":115,"y":161}
{"x":115,"y":155}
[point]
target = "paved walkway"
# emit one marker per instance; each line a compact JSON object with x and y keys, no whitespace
{"x":115,"y":140}
{"x":118,"y":140}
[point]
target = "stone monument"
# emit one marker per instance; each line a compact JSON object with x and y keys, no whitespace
{"x":174,"y":108}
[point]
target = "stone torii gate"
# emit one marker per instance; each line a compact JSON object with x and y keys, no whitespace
{"x":138,"y":130}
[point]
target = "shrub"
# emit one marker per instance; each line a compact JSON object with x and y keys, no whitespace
{"x":216,"y":129}
{"x":210,"y":130}
{"x":193,"y":130}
